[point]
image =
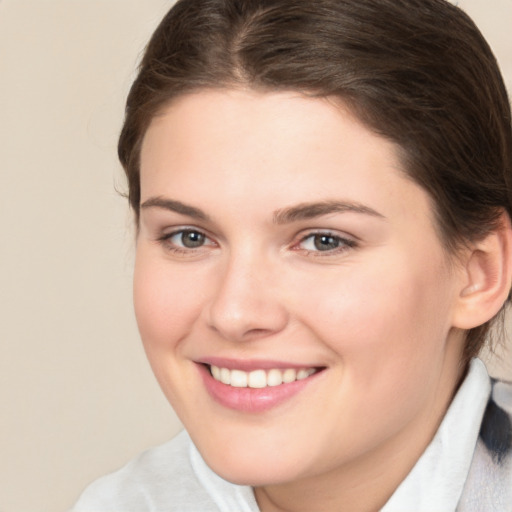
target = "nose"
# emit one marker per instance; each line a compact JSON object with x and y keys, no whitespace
{"x":246,"y":304}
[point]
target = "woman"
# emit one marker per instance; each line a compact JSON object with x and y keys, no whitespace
{"x":322,"y":196}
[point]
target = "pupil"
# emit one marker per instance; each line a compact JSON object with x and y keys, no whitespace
{"x":192,"y":239}
{"x":326,"y":242}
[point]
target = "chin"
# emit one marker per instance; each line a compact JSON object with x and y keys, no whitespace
{"x":252,"y":468}
{"x":254,"y":476}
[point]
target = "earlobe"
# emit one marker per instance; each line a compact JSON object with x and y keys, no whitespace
{"x":487,"y":277}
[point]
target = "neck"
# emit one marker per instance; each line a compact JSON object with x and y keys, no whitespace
{"x":361,"y":486}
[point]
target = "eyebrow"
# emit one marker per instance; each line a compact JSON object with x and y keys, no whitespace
{"x":306,"y":211}
{"x":302,"y":211}
{"x":175,"y":206}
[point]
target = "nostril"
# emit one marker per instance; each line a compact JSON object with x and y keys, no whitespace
{"x":257,"y":333}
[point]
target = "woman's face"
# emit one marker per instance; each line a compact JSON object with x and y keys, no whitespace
{"x":281,"y":247}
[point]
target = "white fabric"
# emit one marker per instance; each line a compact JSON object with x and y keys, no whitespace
{"x":169,"y":478}
{"x":174,"y":477}
{"x":437,"y":480}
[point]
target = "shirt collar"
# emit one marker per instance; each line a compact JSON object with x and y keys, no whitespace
{"x":437,"y":480}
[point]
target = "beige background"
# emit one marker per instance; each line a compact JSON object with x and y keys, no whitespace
{"x":77,"y":396}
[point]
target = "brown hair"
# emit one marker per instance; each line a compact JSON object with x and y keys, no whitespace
{"x":417,"y":72}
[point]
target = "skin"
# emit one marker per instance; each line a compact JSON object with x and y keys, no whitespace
{"x":377,"y":312}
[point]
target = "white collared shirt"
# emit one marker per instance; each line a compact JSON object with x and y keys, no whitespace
{"x":456,"y":473}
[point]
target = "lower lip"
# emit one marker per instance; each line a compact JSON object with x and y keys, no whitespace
{"x":252,"y":399}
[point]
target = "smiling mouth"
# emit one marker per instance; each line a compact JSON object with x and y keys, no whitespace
{"x":258,"y":379}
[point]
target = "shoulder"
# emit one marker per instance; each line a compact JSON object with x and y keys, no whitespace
{"x":489,"y":483}
{"x":161,"y":478}
{"x":496,"y":429}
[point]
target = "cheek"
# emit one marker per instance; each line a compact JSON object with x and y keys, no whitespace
{"x":166,"y":302}
{"x":388,"y":317}
{"x":387,"y":336}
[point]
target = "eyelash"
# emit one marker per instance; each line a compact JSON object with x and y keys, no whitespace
{"x":344,"y":243}
{"x":165,"y":240}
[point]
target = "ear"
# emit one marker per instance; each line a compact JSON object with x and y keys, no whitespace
{"x":487,"y":275}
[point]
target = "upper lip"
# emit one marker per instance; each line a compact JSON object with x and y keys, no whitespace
{"x":253,"y":364}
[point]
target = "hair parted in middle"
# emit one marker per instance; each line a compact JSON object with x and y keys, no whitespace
{"x":417,"y":72}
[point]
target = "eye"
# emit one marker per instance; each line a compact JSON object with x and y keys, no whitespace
{"x":188,"y":238}
{"x":185,"y":240}
{"x":325,"y":242}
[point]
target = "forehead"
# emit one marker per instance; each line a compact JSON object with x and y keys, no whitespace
{"x":285,"y":146}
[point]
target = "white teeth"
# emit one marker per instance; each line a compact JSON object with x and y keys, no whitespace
{"x":289,"y":375}
{"x":259,"y":378}
{"x":215,"y":372}
{"x":238,"y":378}
{"x":225,"y":376}
{"x":302,"y":374}
{"x":274,"y":378}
